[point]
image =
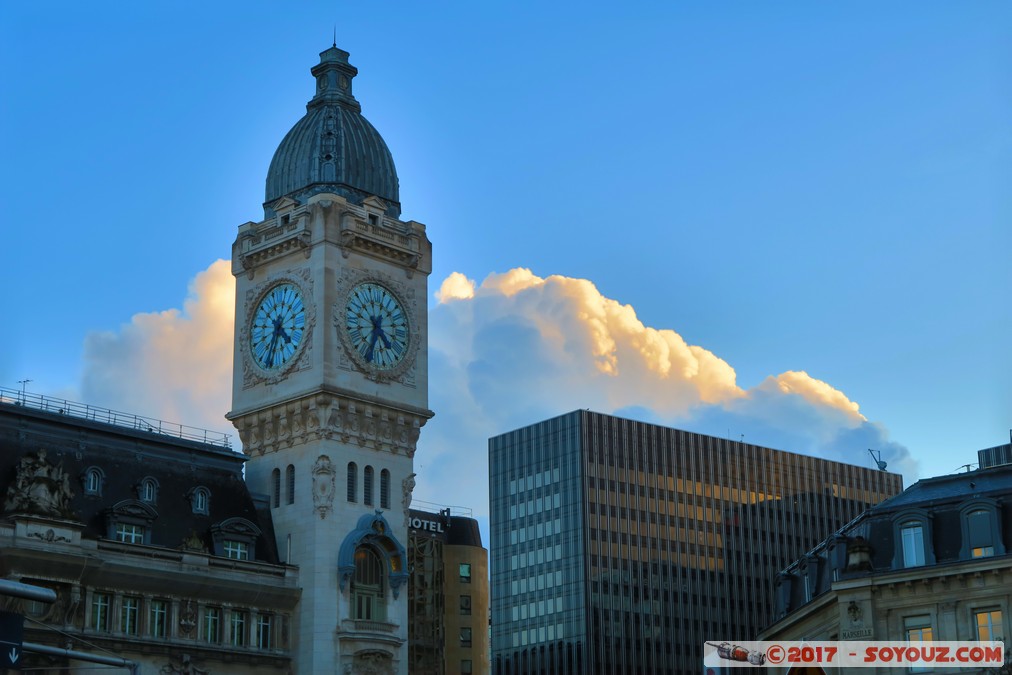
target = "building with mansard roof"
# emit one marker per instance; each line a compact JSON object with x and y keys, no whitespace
{"x":157,"y":551}
{"x":932,"y":563}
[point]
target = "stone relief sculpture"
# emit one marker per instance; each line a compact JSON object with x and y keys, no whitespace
{"x":187,"y":619}
{"x":407,"y":487}
{"x":184,"y":667}
{"x":41,"y":488}
{"x":323,"y":486}
{"x":372,"y":663}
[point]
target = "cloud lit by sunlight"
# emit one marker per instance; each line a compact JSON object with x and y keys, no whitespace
{"x":175,"y":365}
{"x":510,"y":351}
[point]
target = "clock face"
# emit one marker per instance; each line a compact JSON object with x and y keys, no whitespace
{"x":377,"y":326}
{"x":278,"y":326}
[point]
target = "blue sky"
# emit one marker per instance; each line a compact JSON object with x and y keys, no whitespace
{"x":791,"y":186}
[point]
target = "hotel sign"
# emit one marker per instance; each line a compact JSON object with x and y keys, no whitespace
{"x":426,"y":525}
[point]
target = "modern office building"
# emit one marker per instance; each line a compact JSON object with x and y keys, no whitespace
{"x":447,"y":594}
{"x":619,"y":547}
{"x":931,"y":563}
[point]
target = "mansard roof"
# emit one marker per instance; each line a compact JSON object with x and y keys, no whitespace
{"x":45,"y":458}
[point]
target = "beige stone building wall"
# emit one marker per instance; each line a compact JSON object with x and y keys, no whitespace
{"x":457,"y":651}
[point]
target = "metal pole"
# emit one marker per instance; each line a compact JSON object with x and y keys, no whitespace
{"x":17,"y":589}
{"x":79,"y":656}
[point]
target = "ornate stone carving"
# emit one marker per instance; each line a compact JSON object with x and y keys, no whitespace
{"x":326,"y":416}
{"x":40,"y":488}
{"x":372,"y":663}
{"x":187,"y":619}
{"x":193,"y":542}
{"x":183,"y":667}
{"x":323,"y":486}
{"x":50,"y":536}
{"x":407,"y":487}
{"x":855,"y":614}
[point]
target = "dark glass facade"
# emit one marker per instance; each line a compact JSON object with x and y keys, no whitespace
{"x":619,"y":547}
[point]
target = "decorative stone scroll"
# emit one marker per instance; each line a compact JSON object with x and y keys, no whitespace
{"x":323,"y":486}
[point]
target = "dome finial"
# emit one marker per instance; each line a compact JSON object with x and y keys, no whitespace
{"x":335,"y":36}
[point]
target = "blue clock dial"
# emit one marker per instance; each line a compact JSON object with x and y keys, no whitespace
{"x":278,"y":325}
{"x":377,"y":326}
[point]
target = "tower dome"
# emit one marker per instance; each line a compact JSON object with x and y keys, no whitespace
{"x":333,"y":148}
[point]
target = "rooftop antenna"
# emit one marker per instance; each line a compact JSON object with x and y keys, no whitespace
{"x":878,"y":459}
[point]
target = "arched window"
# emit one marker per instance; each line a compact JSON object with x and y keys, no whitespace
{"x":384,"y":489}
{"x":276,"y":487}
{"x":93,"y":479}
{"x":290,"y":480}
{"x":200,"y":500}
{"x":367,"y":586}
{"x":148,"y":490}
{"x":367,"y":487}
{"x":352,"y":482}
{"x":981,"y":530}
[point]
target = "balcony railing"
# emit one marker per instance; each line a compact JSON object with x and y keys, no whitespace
{"x":121,"y":419}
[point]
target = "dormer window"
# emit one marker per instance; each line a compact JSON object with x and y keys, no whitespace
{"x":981,"y":530}
{"x":373,"y":219}
{"x":235,"y":538}
{"x":912,"y":539}
{"x":200,"y":500}
{"x":93,"y":480}
{"x":148,"y":490}
{"x":130,"y":521}
{"x":236,"y":550}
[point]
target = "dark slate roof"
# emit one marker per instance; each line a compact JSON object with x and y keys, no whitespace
{"x":125,"y":457}
{"x":333,"y":148}
{"x":931,"y":491}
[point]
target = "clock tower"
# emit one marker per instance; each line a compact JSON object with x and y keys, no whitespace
{"x":330,"y":383}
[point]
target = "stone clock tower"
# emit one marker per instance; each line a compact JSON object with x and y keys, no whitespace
{"x":330,"y":384}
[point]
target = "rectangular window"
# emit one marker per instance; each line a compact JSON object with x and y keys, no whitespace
{"x":465,"y":637}
{"x":465,"y":573}
{"x":982,"y":552}
{"x":989,"y":624}
{"x":128,"y":615}
{"x":212,"y":625}
{"x":129,"y":533}
{"x":264,"y":631}
{"x":158,"y":618}
{"x":237,"y":629}
{"x":100,"y":603}
{"x":918,"y":629}
{"x":236,"y":550}
{"x":465,"y":605}
{"x":912,"y":535}
{"x":466,"y":668}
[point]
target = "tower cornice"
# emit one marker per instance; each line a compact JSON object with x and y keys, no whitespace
{"x":331,"y":414}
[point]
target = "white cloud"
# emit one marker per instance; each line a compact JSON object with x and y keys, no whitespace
{"x":511,"y":351}
{"x":174,"y":365}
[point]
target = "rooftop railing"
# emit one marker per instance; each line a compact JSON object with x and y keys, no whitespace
{"x":432,"y":507}
{"x":121,"y":419}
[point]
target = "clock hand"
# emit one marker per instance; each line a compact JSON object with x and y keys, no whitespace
{"x":269,"y":356}
{"x":372,"y":346}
